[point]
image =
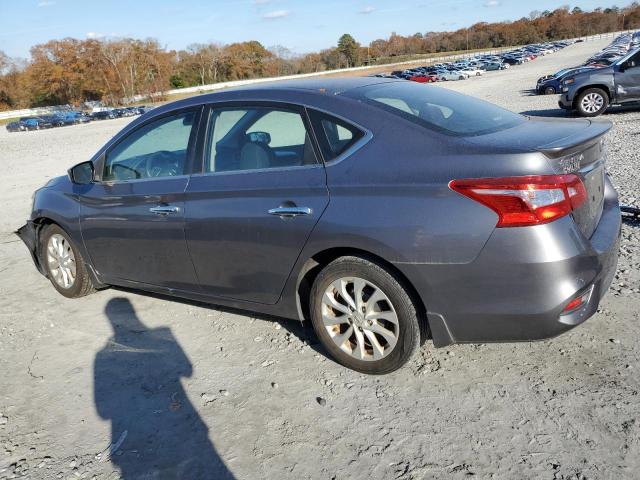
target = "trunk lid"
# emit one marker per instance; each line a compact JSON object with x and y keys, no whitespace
{"x":571,"y":146}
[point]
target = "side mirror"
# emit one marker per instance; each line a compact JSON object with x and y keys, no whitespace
{"x":81,"y":174}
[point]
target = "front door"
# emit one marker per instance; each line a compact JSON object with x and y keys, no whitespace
{"x":628,"y":81}
{"x":261,"y":192}
{"x":132,"y":220}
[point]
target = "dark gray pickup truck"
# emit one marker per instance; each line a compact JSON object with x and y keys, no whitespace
{"x":590,"y":93}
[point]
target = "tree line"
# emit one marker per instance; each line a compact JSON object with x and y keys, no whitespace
{"x":72,"y":71}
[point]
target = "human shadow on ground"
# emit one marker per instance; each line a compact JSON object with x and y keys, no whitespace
{"x":155,"y":430}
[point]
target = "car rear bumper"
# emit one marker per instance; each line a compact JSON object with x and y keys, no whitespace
{"x":518,"y":286}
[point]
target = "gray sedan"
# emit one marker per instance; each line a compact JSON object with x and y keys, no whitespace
{"x":384,"y":212}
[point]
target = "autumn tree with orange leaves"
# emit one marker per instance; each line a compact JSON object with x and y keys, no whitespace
{"x":72,"y":71}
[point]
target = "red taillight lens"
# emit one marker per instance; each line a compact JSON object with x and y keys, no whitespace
{"x":522,"y":201}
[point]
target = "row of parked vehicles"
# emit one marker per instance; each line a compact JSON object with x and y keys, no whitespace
{"x":71,"y":117}
{"x":611,"y":76}
{"x":476,"y":65}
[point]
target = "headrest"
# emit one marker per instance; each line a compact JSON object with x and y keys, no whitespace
{"x":258,"y":137}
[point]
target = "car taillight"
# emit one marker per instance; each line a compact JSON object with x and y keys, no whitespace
{"x":522,"y":201}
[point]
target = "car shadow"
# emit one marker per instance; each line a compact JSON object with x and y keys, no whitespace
{"x":631,"y":216}
{"x":529,"y":92}
{"x":155,"y":430}
{"x":555,"y":112}
{"x":561,"y":113}
{"x":303,"y":331}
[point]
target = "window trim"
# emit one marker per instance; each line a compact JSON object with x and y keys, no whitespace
{"x":203,"y":147}
{"x":365,"y":135}
{"x":191,"y":147}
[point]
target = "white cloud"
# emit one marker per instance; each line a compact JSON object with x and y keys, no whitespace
{"x":492,"y":3}
{"x":276,"y":14}
{"x":94,"y":35}
{"x":46,"y":3}
{"x":261,"y":2}
{"x":367,"y":10}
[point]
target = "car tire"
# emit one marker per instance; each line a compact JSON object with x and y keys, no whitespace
{"x":592,"y":102}
{"x":59,"y":257}
{"x":549,"y":91}
{"x":382,"y":323}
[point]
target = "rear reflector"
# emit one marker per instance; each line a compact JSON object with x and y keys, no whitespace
{"x":577,"y":302}
{"x":522,"y":201}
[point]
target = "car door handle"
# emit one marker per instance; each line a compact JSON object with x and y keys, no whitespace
{"x":164,"y":209}
{"x":288,"y":212}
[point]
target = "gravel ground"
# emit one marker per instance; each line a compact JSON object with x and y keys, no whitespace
{"x":258,"y":398}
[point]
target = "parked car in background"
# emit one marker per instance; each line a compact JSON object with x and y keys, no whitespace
{"x":471,"y":71}
{"x":446,"y":75}
{"x":35,"y":123}
{"x":103,"y":115}
{"x":492,"y":66}
{"x":424,"y":78}
{"x":551,"y":84}
{"x":492,"y":227}
{"x":15,"y":127}
{"x":590,"y":93}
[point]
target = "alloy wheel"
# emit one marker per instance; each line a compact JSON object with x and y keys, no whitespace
{"x":360,"y":318}
{"x":61,"y":261}
{"x":592,"y":102}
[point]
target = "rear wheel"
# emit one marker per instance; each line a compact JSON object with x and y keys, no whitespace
{"x":592,"y":102}
{"x":64,"y":264}
{"x":363,"y":316}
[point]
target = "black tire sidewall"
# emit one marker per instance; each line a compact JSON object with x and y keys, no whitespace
{"x":81,"y":275}
{"x":409,"y":337}
{"x":549,"y":91}
{"x":586,"y":92}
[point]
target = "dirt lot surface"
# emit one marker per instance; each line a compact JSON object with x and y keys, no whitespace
{"x":119,"y":384}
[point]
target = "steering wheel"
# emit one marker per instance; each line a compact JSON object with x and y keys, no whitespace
{"x":162,"y":164}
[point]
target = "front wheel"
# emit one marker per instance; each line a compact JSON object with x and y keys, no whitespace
{"x":592,"y":102}
{"x":363,"y":316}
{"x":549,"y":91}
{"x":63,"y":263}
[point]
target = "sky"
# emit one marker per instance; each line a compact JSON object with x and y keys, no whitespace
{"x":301,"y":26}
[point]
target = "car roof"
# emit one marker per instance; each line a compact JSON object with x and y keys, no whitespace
{"x":316,"y":86}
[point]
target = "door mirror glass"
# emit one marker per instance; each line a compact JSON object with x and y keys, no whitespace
{"x":82,"y":174}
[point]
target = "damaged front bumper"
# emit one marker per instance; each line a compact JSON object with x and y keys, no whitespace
{"x":29,"y":234}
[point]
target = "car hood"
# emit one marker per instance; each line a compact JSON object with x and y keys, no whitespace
{"x":585,"y":74}
{"x":548,"y":135}
{"x":56,"y":181}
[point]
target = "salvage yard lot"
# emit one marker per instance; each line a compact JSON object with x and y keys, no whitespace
{"x":274,"y":405}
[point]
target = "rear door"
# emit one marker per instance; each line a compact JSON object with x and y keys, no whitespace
{"x":132,"y":219}
{"x":628,"y":81}
{"x":261,"y":190}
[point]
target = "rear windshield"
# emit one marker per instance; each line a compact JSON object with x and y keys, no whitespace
{"x":438,"y":108}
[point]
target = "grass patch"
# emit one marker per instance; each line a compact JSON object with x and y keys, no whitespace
{"x":4,"y":121}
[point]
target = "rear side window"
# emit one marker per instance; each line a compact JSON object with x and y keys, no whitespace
{"x":256,"y":138}
{"x":335,"y":136}
{"x":437,"y":108}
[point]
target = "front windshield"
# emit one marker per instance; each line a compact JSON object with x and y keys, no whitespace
{"x":438,"y":108}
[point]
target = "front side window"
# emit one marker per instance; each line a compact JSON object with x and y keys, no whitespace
{"x":257,"y":138}
{"x":158,"y":149}
{"x":437,"y":108}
